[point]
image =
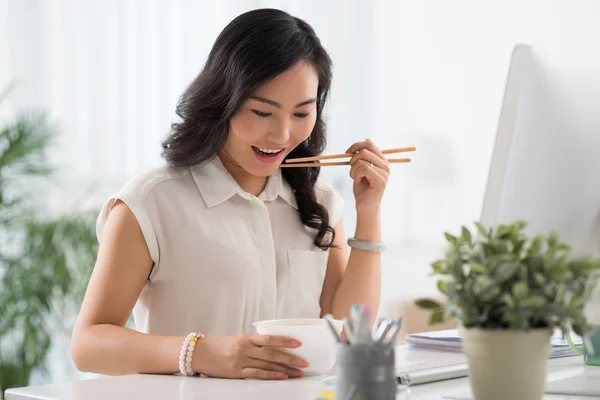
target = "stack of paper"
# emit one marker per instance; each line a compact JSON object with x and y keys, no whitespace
{"x":448,"y":340}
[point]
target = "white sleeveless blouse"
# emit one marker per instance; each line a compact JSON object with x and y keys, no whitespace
{"x":223,"y":258}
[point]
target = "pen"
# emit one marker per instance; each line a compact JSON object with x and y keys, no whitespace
{"x":329,"y":318}
{"x":382,"y":330}
{"x":392,"y":334}
{"x":349,"y":330}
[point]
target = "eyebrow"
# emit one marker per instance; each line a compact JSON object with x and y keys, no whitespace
{"x":276,"y":104}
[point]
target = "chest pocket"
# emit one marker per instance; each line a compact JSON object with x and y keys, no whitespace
{"x":307,"y":273}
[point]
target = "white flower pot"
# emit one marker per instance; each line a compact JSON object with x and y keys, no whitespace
{"x":506,"y":364}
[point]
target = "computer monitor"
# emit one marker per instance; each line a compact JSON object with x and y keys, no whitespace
{"x":545,"y":165}
{"x":546,"y":161}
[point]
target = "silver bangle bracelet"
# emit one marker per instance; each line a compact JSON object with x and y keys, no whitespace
{"x":365,"y":245}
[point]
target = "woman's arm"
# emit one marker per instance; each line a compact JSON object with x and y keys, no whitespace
{"x":355,"y":279}
{"x":102,"y":344}
{"x":100,"y":341}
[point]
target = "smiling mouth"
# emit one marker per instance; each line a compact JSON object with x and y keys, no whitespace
{"x":267,"y":152}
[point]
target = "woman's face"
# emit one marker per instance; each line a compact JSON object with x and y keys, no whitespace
{"x":275,"y":119}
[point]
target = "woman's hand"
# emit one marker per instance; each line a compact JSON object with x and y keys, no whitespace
{"x":247,"y":356}
{"x":370,"y":171}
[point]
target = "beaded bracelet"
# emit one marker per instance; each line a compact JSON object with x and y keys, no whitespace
{"x":187,"y":351}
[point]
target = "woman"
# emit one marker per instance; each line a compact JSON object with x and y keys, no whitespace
{"x":222,"y":237}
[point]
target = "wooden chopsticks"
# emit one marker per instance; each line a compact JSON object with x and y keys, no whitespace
{"x":312,"y":161}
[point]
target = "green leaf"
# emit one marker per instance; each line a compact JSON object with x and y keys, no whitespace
{"x":521,"y":224}
{"x":466,"y":235}
{"x":477,"y":267}
{"x":428,"y":304}
{"x":536,"y":244}
{"x":452,"y":289}
{"x":533,"y":302}
{"x":25,"y":144}
{"x":442,"y":286}
{"x":506,"y":271}
{"x":450,"y":238}
{"x":490,"y":294}
{"x":539,"y":279}
{"x":502,"y":232}
{"x":453,"y":264}
{"x":482,"y":285}
{"x":563,"y":247}
{"x":520,"y":290}
{"x":508,"y":300}
{"x":575,"y":304}
{"x":497,"y":246}
{"x":437,"y":266}
{"x":481,"y":229}
{"x":553,"y":239}
{"x":436,"y":317}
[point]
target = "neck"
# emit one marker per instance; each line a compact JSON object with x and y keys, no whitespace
{"x":249,"y":183}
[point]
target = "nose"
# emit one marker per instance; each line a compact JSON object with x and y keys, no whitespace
{"x":281,"y":133}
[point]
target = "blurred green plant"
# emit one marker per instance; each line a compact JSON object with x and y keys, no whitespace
{"x":502,"y":279}
{"x":45,"y":262}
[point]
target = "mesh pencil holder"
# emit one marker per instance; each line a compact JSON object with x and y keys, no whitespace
{"x":365,"y":372}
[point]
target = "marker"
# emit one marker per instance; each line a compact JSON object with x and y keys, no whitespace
{"x":363,"y":333}
{"x":354,"y":312}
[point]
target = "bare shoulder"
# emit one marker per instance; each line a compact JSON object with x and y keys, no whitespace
{"x":121,"y":219}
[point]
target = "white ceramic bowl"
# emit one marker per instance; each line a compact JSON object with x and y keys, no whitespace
{"x":318,"y":343}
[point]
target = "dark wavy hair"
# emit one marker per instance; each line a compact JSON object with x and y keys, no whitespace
{"x":254,"y":48}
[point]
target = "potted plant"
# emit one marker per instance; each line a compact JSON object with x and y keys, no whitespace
{"x":45,"y":261}
{"x":509,"y":291}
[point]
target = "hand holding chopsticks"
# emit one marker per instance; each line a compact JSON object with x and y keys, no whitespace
{"x":315,"y":161}
{"x":369,"y":169}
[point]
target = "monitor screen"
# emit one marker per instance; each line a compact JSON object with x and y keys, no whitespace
{"x":546,"y":162}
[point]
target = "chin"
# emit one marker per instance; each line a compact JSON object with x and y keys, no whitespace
{"x":261,"y":168}
{"x":258,"y":169}
{"x":265,"y":171}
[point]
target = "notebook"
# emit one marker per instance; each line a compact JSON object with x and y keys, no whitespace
{"x":449,"y":340}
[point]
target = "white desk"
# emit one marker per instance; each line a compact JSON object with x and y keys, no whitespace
{"x":174,"y":387}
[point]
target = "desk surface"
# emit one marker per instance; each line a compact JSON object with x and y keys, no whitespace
{"x":183,"y":388}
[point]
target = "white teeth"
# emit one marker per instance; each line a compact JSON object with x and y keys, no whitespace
{"x":269,"y":151}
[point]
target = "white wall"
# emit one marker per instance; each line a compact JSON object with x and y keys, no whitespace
{"x":429,"y":73}
{"x":440,"y":73}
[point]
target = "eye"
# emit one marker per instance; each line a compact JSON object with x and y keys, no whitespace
{"x":261,"y":114}
{"x":302,"y":115}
